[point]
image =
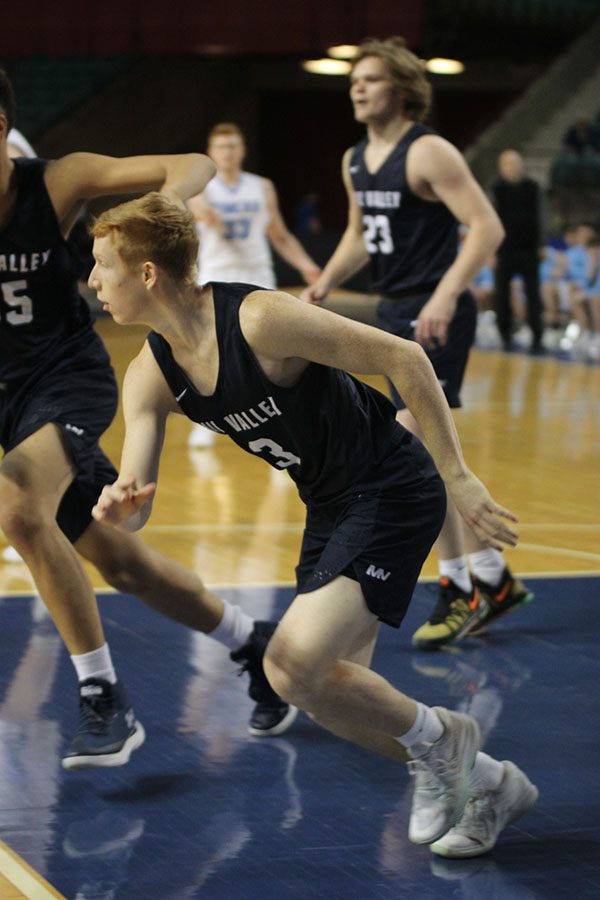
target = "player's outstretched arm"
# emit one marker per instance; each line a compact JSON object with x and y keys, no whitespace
{"x":437,"y":171}
{"x":350,"y":255}
{"x":284,"y":242}
{"x":146,"y":403}
{"x":78,"y":177}
{"x":279,"y":327}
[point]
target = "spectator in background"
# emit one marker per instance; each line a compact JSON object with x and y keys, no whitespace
{"x":553,"y":267}
{"x":308,"y":218}
{"x":580,"y":138}
{"x":518,"y":203}
{"x":584,"y":292}
{"x":593,"y":348}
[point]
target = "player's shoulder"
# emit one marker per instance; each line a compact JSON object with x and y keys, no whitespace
{"x":76,"y":160}
{"x":248,"y":178}
{"x":262,"y":304}
{"x":428,"y":141}
{"x":144,"y":382}
{"x":431,"y":153}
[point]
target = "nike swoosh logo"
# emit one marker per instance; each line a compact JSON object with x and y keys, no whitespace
{"x":354,"y":169}
{"x":474,"y":601}
{"x":178,"y":398}
{"x":503,"y":594}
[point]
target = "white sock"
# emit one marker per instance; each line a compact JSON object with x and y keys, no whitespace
{"x":234,"y":629}
{"x":457,"y":571}
{"x":486,"y":774}
{"x":487,"y":565}
{"x":426,"y":730}
{"x":95,"y":664}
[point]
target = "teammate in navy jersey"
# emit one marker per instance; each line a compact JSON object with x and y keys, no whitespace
{"x":408,"y":189}
{"x":271,"y":373}
{"x":57,"y":397}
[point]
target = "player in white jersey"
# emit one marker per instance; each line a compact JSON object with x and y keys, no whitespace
{"x":238,"y":221}
{"x":235,"y":247}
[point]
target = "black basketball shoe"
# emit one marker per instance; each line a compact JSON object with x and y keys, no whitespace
{"x":271,"y":715}
{"x":108,"y":731}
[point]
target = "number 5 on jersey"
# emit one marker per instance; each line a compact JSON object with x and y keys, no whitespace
{"x":22,"y":311}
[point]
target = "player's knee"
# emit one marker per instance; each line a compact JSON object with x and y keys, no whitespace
{"x":292,"y":678}
{"x":116,"y":555}
{"x":20,"y":512}
{"x":21,"y":519}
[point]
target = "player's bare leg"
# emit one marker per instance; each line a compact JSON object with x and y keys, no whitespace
{"x":307,"y":664}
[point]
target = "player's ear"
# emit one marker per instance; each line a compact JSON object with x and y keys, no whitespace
{"x":149,"y":274}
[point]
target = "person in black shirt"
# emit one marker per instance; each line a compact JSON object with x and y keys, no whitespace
{"x":58,"y":395}
{"x":271,"y":372}
{"x":408,"y":189}
{"x":518,"y":203}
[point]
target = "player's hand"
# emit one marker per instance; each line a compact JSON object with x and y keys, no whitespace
{"x":431,"y":329}
{"x":481,"y":513}
{"x":120,"y":501}
{"x":313,"y":294}
{"x":311,"y":274}
{"x":211,"y":218}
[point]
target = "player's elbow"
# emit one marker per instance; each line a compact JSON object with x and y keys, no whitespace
{"x":489,"y":231}
{"x":496,"y":233}
{"x":499,"y":235}
{"x":409,"y":364}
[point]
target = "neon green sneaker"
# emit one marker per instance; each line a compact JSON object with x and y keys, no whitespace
{"x":456,"y":613}
{"x":510,"y":594}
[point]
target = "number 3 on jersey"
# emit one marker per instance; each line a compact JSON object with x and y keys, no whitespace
{"x":283,"y":457}
{"x":22,"y":311}
{"x":377,"y":234}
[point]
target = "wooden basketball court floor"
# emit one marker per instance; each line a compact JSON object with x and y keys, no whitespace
{"x":204,"y":810}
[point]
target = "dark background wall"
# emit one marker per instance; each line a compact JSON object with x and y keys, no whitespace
{"x":182,"y":67}
{"x":234,"y":26}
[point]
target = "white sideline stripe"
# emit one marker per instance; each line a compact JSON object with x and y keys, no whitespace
{"x":31,"y":885}
{"x":298,"y":526}
{"x":557,"y":526}
{"x":250,"y":526}
{"x":561,"y":551}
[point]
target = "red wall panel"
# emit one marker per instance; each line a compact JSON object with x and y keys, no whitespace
{"x":70,"y":27}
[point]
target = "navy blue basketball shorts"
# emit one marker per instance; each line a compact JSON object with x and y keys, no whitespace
{"x":380,"y":537}
{"x":82,"y":403}
{"x":449,"y":361}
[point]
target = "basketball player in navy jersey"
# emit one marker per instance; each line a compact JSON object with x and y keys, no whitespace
{"x":57,"y":397}
{"x":270,"y":372}
{"x":408,"y":189}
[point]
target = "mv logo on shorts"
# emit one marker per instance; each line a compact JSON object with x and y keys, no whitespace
{"x":74,"y":429}
{"x":378,"y":573}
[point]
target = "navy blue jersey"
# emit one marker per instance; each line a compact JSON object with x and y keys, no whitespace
{"x":330,"y":431}
{"x":42,"y":317}
{"x":411,"y":242}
